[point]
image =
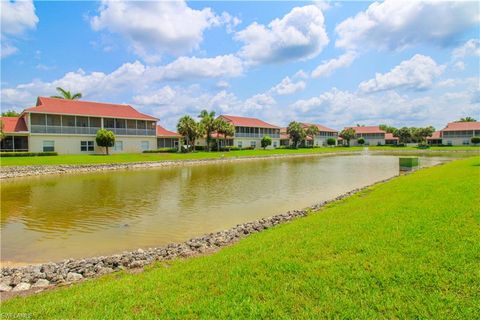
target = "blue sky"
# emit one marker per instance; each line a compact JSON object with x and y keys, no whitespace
{"x":333,"y":63}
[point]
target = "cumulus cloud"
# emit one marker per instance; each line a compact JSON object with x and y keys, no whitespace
{"x":417,"y":73}
{"x":299,"y":35}
{"x":157,"y":27}
{"x":192,"y":67}
{"x":469,"y":48}
{"x":396,"y":25}
{"x":16,"y":19}
{"x":329,"y":66}
{"x":287,"y":86}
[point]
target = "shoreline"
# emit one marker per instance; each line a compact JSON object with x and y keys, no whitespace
{"x":34,"y":278}
{"x":10,"y":172}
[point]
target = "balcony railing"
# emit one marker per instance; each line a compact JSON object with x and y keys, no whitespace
{"x":256,"y":135}
{"x":90,"y":130}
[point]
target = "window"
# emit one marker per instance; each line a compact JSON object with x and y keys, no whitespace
{"x":240,"y":144}
{"x":466,"y":142}
{"x":145,"y":145}
{"x":86,"y":146}
{"x":118,"y":146}
{"x":274,"y":144}
{"x":253,"y":144}
{"x":48,"y":145}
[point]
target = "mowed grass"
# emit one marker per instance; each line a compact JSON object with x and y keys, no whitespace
{"x":144,"y":157}
{"x":408,"y":248}
{"x":80,"y":159}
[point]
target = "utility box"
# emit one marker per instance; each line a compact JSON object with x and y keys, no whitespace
{"x":408,"y":164}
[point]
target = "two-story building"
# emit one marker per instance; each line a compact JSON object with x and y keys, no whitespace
{"x":320,"y":139}
{"x":372,"y":135}
{"x":167,"y":139}
{"x":250,"y":131}
{"x":70,"y":127}
{"x":460,"y":133}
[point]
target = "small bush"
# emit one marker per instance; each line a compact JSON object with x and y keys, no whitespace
{"x":161,"y":150}
{"x":475,"y":140}
{"x":27,"y":154}
{"x":361,"y":141}
{"x":331,"y":141}
{"x":199,"y":148}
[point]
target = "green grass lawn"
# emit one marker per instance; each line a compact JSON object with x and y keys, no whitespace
{"x":408,"y":248}
{"x":137,"y":157}
{"x":140,"y":157}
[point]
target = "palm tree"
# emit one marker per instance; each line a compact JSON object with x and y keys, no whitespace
{"x":312,"y":131}
{"x":467,"y":119}
{"x":190,"y":130}
{"x":226,"y":129}
{"x":67,"y":95}
{"x":209,"y":124}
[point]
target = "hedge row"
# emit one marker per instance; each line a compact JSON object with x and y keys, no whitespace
{"x":162,"y":150}
{"x":27,"y":154}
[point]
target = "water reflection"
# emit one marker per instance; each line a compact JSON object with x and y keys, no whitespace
{"x":56,"y":217}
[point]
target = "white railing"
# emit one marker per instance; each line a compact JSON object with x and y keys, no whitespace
{"x":256,"y":135}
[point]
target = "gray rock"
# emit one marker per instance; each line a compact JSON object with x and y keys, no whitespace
{"x":6,"y":280}
{"x":103,"y":271}
{"x":41,"y":283}
{"x":22,"y":286}
{"x":72,"y":277}
{"x":4,"y":287}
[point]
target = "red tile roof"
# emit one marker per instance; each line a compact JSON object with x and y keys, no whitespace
{"x":367,"y":129}
{"x":462,"y":126}
{"x":319,"y":126}
{"x":248,"y":122}
{"x":436,"y":135}
{"x":87,"y":108}
{"x":14,"y":124}
{"x":162,"y":132}
{"x":389,"y":136}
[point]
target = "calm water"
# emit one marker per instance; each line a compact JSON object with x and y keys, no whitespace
{"x":82,"y":215}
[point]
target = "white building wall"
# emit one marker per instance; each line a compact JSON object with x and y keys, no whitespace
{"x":369,"y":142}
{"x":70,"y":144}
{"x":246,"y":142}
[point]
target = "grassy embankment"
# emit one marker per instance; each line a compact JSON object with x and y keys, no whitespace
{"x":408,"y":248}
{"x":145,"y":157}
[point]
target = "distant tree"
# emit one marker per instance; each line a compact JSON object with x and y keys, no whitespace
{"x":422,"y":134}
{"x":225,"y":128}
{"x":403,"y":134}
{"x":475,"y":140}
{"x":105,"y":138}
{"x":190,"y":130}
{"x":387,"y":129}
{"x":207,"y":120}
{"x":2,"y":134}
{"x":312,"y":131}
{"x":361,"y":141}
{"x":347,"y":135}
{"x":67,"y":95}
{"x":467,"y":119}
{"x":296,"y":132}
{"x":266,"y":141}
{"x":331,"y":141}
{"x":10,"y":113}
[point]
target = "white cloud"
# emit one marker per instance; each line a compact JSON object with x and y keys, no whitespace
{"x":399,"y":24}
{"x":469,"y":48}
{"x":287,"y":86}
{"x":259,"y":101}
{"x":192,"y":67}
{"x":327,"y":67}
{"x":417,"y":73}
{"x":300,"y":75}
{"x":16,"y":19}
{"x":153,"y":28}
{"x":299,"y":35}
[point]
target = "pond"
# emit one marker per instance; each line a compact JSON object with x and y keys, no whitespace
{"x":51,"y":218}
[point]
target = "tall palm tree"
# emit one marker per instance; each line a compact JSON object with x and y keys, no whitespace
{"x":67,"y":95}
{"x":312,"y":131}
{"x":209,"y":124}
{"x":190,"y":130}
{"x":226,"y":129}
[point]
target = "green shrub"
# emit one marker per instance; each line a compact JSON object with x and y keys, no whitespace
{"x":331,"y":141}
{"x":27,"y":154}
{"x":361,"y":141}
{"x":162,"y":150}
{"x":199,"y":148}
{"x":266,"y":141}
{"x":475,"y":140}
